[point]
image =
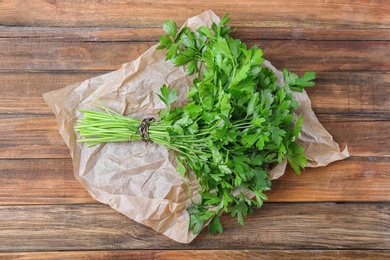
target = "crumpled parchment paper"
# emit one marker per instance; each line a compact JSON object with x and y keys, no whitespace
{"x":139,"y":179}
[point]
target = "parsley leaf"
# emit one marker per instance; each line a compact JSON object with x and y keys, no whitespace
{"x":170,"y":27}
{"x":167,"y":96}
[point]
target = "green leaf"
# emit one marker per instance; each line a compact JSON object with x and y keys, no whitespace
{"x":170,"y":28}
{"x":165,"y":41}
{"x":193,"y":128}
{"x":163,"y":113}
{"x":252,"y":103}
{"x":211,"y":199}
{"x":184,"y":121}
{"x":208,"y":103}
{"x":208,"y":117}
{"x":249,"y":140}
{"x":203,"y":30}
{"x":225,"y":169}
{"x":256,"y":58}
{"x":193,"y":110}
{"x":263,"y":138}
{"x":296,"y":83}
{"x":182,"y":34}
{"x":167,"y":96}
{"x":193,"y":210}
{"x":193,"y":92}
{"x":237,"y":181}
{"x":241,"y":210}
{"x":298,"y":126}
{"x":306,"y":80}
{"x":217,"y":176}
{"x":277,"y":135}
{"x":172,"y":52}
{"x":180,"y":59}
{"x":296,"y":158}
{"x":261,"y":180}
{"x":241,"y":74}
{"x":221,"y":46}
{"x":207,"y":215}
{"x":217,"y":157}
{"x":260,"y":197}
{"x":215,"y":225}
{"x":258,"y":121}
{"x":191,"y":67}
{"x":231,"y":136}
{"x":177,"y":129}
{"x":225,"y":105}
{"x":196,"y":224}
{"x":221,"y":29}
{"x":189,"y":42}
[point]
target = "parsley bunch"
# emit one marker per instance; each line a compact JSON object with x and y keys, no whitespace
{"x":237,"y":124}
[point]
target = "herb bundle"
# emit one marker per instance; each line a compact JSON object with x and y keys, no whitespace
{"x":236,"y":126}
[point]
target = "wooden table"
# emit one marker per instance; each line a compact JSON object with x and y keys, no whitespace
{"x":339,"y":211}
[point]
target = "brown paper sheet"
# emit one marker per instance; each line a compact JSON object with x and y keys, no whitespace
{"x":139,"y":179}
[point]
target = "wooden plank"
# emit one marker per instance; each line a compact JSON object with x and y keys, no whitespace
{"x":275,"y":226}
{"x":122,"y":13}
{"x":351,"y":92}
{"x":40,"y":182}
{"x":326,"y":55}
{"x":48,"y":181}
{"x":82,"y":34}
{"x":348,"y":180}
{"x":31,"y":137}
{"x":21,"y":93}
{"x":334,"y":93}
{"x":30,"y":55}
{"x":303,"y":33}
{"x":300,"y":55}
{"x":141,"y":34}
{"x":364,"y":137}
{"x":202,"y":254}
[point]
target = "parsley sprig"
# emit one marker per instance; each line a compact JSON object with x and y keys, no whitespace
{"x":237,"y":125}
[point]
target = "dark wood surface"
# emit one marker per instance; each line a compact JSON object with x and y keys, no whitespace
{"x":341,"y":211}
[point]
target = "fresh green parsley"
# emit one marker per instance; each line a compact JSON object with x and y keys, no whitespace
{"x":237,"y":125}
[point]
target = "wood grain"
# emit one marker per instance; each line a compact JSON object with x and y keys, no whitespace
{"x":202,"y":254}
{"x":124,"y":13}
{"x":275,"y":226}
{"x":363,"y":138}
{"x":21,"y":93}
{"x":142,"y":34}
{"x":349,"y":180}
{"x":40,"y":182}
{"x":334,"y":93}
{"x":31,"y":136}
{"x":30,"y":55}
{"x":51,"y":181}
{"x":347,"y":93}
{"x":299,"y":55}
